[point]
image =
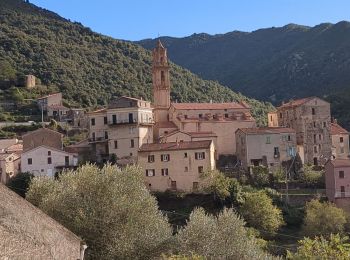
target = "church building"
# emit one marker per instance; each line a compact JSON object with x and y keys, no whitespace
{"x":211,"y":121}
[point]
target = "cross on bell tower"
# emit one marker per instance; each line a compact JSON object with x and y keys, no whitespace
{"x":160,"y":77}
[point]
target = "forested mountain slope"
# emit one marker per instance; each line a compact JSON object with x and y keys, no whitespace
{"x":90,"y":68}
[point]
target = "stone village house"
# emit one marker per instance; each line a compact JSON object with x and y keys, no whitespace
{"x":311,"y":119}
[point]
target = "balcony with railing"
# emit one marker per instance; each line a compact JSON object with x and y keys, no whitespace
{"x":130,"y":122}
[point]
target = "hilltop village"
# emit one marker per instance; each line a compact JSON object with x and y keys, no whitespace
{"x":178,"y":147}
{"x":175,"y":143}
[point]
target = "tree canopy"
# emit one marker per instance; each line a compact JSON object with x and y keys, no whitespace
{"x":111,"y":209}
{"x":323,"y":219}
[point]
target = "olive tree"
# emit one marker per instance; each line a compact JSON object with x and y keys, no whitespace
{"x":218,"y":237}
{"x":337,"y":247}
{"x":323,"y":219}
{"x":110,"y":208}
{"x":260,"y":213}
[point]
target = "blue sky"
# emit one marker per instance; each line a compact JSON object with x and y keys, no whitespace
{"x":140,"y":19}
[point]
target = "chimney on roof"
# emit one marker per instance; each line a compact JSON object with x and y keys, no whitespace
{"x":211,"y":101}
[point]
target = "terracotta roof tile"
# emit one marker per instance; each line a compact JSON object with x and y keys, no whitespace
{"x":175,"y":146}
{"x":267,"y":130}
{"x":50,"y":95}
{"x":337,"y":129}
{"x":297,"y":102}
{"x":101,"y":110}
{"x":209,"y":106}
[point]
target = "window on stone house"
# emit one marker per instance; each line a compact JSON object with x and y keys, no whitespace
{"x":320,"y":137}
{"x":314,"y":124}
{"x":195,"y":186}
{"x":150,"y":172}
{"x":106,"y":135}
{"x":324,"y":124}
{"x":199,"y":156}
{"x":132,"y":143}
{"x":341,"y":139}
{"x":165,"y":172}
{"x":105,"y":120}
{"x":315,"y":149}
{"x":185,"y":155}
{"x":315,"y":139}
{"x":268,"y":139}
{"x":30,"y":161}
{"x":165,"y":157}
{"x":186,"y":116}
{"x":276,"y":151}
{"x":200,"y":115}
{"x":93,"y":121}
{"x":281,"y":115}
{"x":200,"y":169}
{"x":341,"y":174}
{"x":226,"y":115}
{"x":49,"y":153}
{"x":49,"y":160}
{"x":115,"y":144}
{"x":313,"y":110}
{"x":150,"y":158}
{"x":289,"y":138}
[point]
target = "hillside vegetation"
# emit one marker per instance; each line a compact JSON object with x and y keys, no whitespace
{"x":273,"y":64}
{"x":90,"y":68}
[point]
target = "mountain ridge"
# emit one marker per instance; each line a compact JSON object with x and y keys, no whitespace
{"x":273,"y":64}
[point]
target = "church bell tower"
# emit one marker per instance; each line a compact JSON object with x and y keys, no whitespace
{"x":160,"y":78}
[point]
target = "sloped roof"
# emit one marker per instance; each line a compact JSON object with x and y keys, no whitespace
{"x":267,"y":130}
{"x":43,"y":129}
{"x":202,"y":134}
{"x":48,"y":147}
{"x":297,"y":102}
{"x":209,"y":106}
{"x":337,"y":129}
{"x":175,"y":146}
{"x":5,"y":143}
{"x":340,"y":162}
{"x":15,"y":148}
{"x":101,"y":110}
{"x":26,"y":232}
{"x":50,"y":95}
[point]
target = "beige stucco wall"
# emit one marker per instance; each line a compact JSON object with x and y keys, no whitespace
{"x":40,"y":166}
{"x":224,"y":130}
{"x":124,"y":134}
{"x":255,"y":147}
{"x":272,"y":119}
{"x":180,"y":136}
{"x":176,"y":167}
{"x":340,"y":150}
